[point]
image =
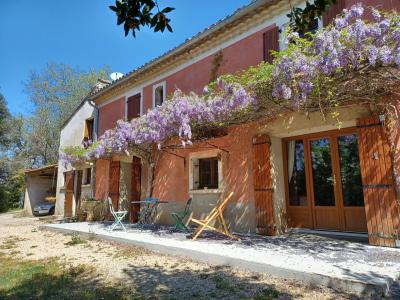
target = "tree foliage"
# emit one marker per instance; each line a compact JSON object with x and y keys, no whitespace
{"x":11,"y":178}
{"x":134,"y":14}
{"x":301,"y":19}
{"x":55,"y":92}
{"x":4,"y":117}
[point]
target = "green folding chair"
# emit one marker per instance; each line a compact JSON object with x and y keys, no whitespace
{"x":117,"y":215}
{"x":179,"y":217}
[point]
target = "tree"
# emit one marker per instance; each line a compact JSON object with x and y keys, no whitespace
{"x":301,"y":19}
{"x":138,"y":13}
{"x":4,"y":117}
{"x":11,"y":181}
{"x":55,"y":93}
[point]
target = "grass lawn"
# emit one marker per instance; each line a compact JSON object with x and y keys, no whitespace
{"x":48,"y":279}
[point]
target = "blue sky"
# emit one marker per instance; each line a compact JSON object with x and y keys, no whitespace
{"x":84,"y":33}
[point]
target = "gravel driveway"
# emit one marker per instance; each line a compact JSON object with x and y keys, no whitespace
{"x":152,"y":275}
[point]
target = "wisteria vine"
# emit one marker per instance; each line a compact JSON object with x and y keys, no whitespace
{"x":298,"y":76}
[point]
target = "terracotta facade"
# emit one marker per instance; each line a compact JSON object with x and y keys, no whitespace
{"x":173,"y":178}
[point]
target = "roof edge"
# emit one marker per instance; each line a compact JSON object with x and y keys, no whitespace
{"x":28,"y":171}
{"x":240,"y":12}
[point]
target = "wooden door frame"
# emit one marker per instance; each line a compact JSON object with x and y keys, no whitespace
{"x":306,"y":138}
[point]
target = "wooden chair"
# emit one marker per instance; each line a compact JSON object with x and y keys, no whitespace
{"x":215,"y":214}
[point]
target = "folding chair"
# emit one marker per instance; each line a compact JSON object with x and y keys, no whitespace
{"x":216,"y":213}
{"x":179,"y":217}
{"x":117,"y":215}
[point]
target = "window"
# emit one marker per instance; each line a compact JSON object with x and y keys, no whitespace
{"x":312,"y":29}
{"x":87,"y":176}
{"x":205,"y":171}
{"x":133,"y":107}
{"x":88,"y":134}
{"x":208,"y":173}
{"x":159,"y":94}
{"x":296,"y":173}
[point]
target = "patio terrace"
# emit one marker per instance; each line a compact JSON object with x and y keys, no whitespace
{"x":348,"y":266}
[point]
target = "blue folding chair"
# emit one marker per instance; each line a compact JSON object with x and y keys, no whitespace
{"x":117,"y":215}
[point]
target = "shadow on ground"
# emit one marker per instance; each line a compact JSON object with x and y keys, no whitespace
{"x":219,"y":282}
{"x":47,"y":279}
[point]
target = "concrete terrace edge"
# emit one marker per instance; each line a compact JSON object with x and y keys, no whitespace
{"x":359,"y":288}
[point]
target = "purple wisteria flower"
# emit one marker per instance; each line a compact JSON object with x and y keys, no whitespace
{"x":348,"y":45}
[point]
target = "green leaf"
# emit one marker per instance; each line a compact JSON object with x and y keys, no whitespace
{"x":113,"y":8}
{"x":167,"y":10}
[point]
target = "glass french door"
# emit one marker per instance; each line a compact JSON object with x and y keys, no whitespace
{"x":323,"y":182}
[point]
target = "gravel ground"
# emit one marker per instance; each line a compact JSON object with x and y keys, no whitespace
{"x":153,"y":275}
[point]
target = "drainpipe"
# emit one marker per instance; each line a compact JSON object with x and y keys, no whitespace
{"x":96,"y":131}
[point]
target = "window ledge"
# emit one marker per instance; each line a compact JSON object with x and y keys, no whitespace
{"x":206,"y":191}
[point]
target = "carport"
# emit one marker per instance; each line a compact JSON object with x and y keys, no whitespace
{"x":40,"y":186}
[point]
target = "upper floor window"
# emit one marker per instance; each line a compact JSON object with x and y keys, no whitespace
{"x":88,"y":133}
{"x":312,"y":29}
{"x":159,"y":93}
{"x":133,"y":104}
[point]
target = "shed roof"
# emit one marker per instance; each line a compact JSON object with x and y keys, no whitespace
{"x":42,"y":170}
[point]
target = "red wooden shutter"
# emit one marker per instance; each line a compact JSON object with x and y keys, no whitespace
{"x":333,"y":11}
{"x":133,"y":104}
{"x":263,"y":185}
{"x":69,"y":192}
{"x":381,"y":207}
{"x":114,"y":183}
{"x":136,"y":189}
{"x":271,"y":42}
{"x":102,"y":175}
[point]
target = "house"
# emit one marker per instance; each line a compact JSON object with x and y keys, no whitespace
{"x":74,"y":183}
{"x":40,"y":187}
{"x":291,"y":172}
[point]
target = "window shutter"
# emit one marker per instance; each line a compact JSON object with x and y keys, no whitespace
{"x":263,"y":185}
{"x":333,"y":11}
{"x":133,"y":105}
{"x":271,"y":42}
{"x":381,"y":207}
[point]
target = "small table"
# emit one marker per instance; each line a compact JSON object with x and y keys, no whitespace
{"x":147,"y":211}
